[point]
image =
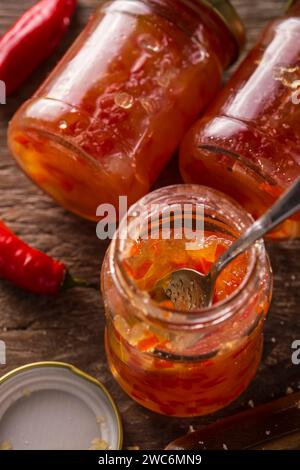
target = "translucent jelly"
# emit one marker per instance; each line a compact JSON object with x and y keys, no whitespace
{"x":113,"y":111}
{"x":248,"y":143}
{"x":184,"y":363}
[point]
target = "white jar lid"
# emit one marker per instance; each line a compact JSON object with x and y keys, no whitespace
{"x":55,"y":406}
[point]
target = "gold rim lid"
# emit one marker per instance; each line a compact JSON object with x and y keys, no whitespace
{"x":55,"y":406}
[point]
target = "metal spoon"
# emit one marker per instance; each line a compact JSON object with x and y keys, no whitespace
{"x":190,"y":290}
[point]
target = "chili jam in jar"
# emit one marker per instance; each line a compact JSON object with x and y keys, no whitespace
{"x":176,"y":362}
{"x":248,"y":143}
{"x":115,"y":108}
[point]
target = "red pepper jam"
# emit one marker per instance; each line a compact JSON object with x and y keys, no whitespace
{"x":184,"y":363}
{"x":247,"y":145}
{"x":112,"y":113}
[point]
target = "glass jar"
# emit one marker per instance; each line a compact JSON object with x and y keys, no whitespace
{"x":115,"y":108}
{"x":173,"y":361}
{"x":248,"y":143}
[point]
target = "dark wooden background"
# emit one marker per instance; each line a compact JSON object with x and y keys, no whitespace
{"x":70,"y":328}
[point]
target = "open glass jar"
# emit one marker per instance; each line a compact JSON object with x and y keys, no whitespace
{"x":113,"y":111}
{"x":176,"y":362}
{"x":248,"y":142}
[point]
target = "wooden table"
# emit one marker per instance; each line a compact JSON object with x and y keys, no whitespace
{"x":70,"y":328}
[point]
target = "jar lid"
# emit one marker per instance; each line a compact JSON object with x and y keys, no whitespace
{"x":231,"y":18}
{"x":55,"y":406}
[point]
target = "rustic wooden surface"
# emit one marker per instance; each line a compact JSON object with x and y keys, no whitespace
{"x":70,"y":327}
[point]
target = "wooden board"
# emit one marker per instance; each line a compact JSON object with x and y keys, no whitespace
{"x":70,"y":328}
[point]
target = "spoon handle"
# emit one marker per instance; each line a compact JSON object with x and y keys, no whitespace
{"x":284,"y":207}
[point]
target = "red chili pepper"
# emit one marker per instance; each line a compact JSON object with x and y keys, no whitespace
{"x":31,"y":269}
{"x":32,"y":39}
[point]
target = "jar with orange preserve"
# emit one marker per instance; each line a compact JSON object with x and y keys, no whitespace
{"x":116,"y":107}
{"x":248,"y":143}
{"x":172,"y":360}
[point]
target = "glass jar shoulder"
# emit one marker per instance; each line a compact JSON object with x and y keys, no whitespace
{"x":263,"y":91}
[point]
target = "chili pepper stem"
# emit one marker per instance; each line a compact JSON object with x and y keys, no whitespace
{"x":71,"y":282}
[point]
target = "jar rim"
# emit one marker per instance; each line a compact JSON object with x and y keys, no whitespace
{"x":290,"y":4}
{"x":214,"y":314}
{"x":228,"y":14}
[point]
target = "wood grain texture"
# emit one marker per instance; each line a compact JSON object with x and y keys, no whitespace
{"x":70,"y":328}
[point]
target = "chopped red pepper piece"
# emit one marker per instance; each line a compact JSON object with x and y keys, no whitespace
{"x":148,"y":343}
